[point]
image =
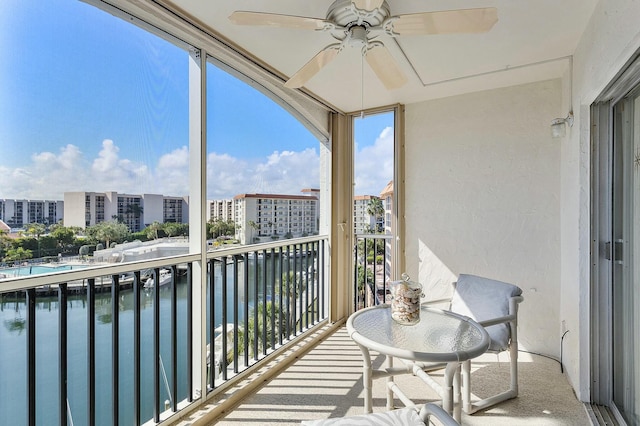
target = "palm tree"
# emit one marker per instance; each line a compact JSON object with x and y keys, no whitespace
{"x":255,"y":331}
{"x":254,"y":226}
{"x":152,"y":230}
{"x":375,"y":208}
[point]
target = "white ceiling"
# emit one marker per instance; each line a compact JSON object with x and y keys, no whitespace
{"x":531,"y":41}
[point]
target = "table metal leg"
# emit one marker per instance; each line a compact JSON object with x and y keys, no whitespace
{"x":457,"y":395}
{"x":390,"y":405}
{"x":452,"y":369}
{"x":367,"y":379}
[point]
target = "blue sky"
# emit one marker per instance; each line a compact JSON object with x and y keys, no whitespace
{"x":89,"y":102}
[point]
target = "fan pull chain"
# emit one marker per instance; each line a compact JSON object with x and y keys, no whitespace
{"x":364,"y":52}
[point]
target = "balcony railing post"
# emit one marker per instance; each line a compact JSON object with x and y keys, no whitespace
{"x":189,"y":348}
{"x":136,"y":349}
{"x":115,"y":347}
{"x":264,"y":302}
{"x":235,"y":315}
{"x":62,"y":349}
{"x":212,"y":307}
{"x":274,"y":326}
{"x":91,"y":351}
{"x":174,"y":338}
{"x":156,"y":345}
{"x":223,"y":266}
{"x":246,"y":310}
{"x":31,"y":356}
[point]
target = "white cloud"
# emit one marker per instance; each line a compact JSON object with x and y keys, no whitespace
{"x":374,"y":164}
{"x":50,"y":174}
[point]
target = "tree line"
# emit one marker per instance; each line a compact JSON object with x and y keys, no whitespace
{"x":38,"y":241}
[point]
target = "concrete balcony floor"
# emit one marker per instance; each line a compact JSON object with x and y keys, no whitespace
{"x":327,"y":382}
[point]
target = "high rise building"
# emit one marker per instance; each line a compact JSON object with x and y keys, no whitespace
{"x":136,"y":211}
{"x":19,"y":213}
{"x":363,"y":221}
{"x":265,"y":217}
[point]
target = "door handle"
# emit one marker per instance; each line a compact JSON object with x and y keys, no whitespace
{"x":618,"y":246}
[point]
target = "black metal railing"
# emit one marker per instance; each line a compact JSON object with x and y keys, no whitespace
{"x":122,"y":336}
{"x":372,"y":268}
{"x":263,"y":298}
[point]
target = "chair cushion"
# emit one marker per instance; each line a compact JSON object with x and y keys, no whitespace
{"x":402,"y":417}
{"x":484,"y":299}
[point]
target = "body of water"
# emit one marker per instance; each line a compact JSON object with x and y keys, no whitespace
{"x":13,"y":348}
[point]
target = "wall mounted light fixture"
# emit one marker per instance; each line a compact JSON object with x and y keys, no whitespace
{"x":559,"y":125}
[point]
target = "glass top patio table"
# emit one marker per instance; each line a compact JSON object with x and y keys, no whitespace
{"x":440,"y":336}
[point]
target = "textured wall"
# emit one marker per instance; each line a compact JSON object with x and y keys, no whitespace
{"x":483,"y":197}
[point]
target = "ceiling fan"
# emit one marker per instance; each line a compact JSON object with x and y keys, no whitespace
{"x":358,"y":23}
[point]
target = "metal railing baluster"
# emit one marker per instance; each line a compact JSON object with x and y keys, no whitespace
{"x":62,"y":350}
{"x":156,"y":345}
{"x":235,"y":315}
{"x":223,"y":326}
{"x":273,"y":298}
{"x":189,"y":348}
{"x":212,"y":313}
{"x":115,"y":348}
{"x":174,"y":338}
{"x":31,"y":356}
{"x":136,"y":349}
{"x":246,"y":310}
{"x":91,"y":352}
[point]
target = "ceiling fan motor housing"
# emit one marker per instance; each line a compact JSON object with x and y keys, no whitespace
{"x":345,"y":14}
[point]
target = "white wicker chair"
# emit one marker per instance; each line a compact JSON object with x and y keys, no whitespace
{"x":494,"y":304}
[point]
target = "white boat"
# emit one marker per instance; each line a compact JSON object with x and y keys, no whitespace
{"x":165,"y":278}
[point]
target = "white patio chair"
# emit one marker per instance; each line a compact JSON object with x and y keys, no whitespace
{"x":494,"y":304}
{"x":404,"y":417}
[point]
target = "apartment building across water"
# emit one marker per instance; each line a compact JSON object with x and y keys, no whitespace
{"x":19,"y":213}
{"x":136,"y":211}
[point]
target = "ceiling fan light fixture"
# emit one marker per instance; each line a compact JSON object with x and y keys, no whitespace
{"x":357,"y":36}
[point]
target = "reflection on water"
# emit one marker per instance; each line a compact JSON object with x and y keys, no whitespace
{"x":13,"y":348}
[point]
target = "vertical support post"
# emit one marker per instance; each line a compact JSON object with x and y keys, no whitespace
{"x":398,"y":255}
{"x":341,"y":231}
{"x":197,"y":213}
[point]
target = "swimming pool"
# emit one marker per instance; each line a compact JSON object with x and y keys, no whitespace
{"x":25,"y":270}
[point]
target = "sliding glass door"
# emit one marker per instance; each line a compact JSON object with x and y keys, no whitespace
{"x":615,"y":295}
{"x":625,"y":271}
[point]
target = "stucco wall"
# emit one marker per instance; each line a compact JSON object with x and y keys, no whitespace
{"x":483,"y":197}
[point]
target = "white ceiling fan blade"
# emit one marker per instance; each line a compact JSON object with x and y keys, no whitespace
{"x":367,"y":4}
{"x":276,"y":20}
{"x":386,"y":68}
{"x":312,"y":67}
{"x":445,"y":22}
